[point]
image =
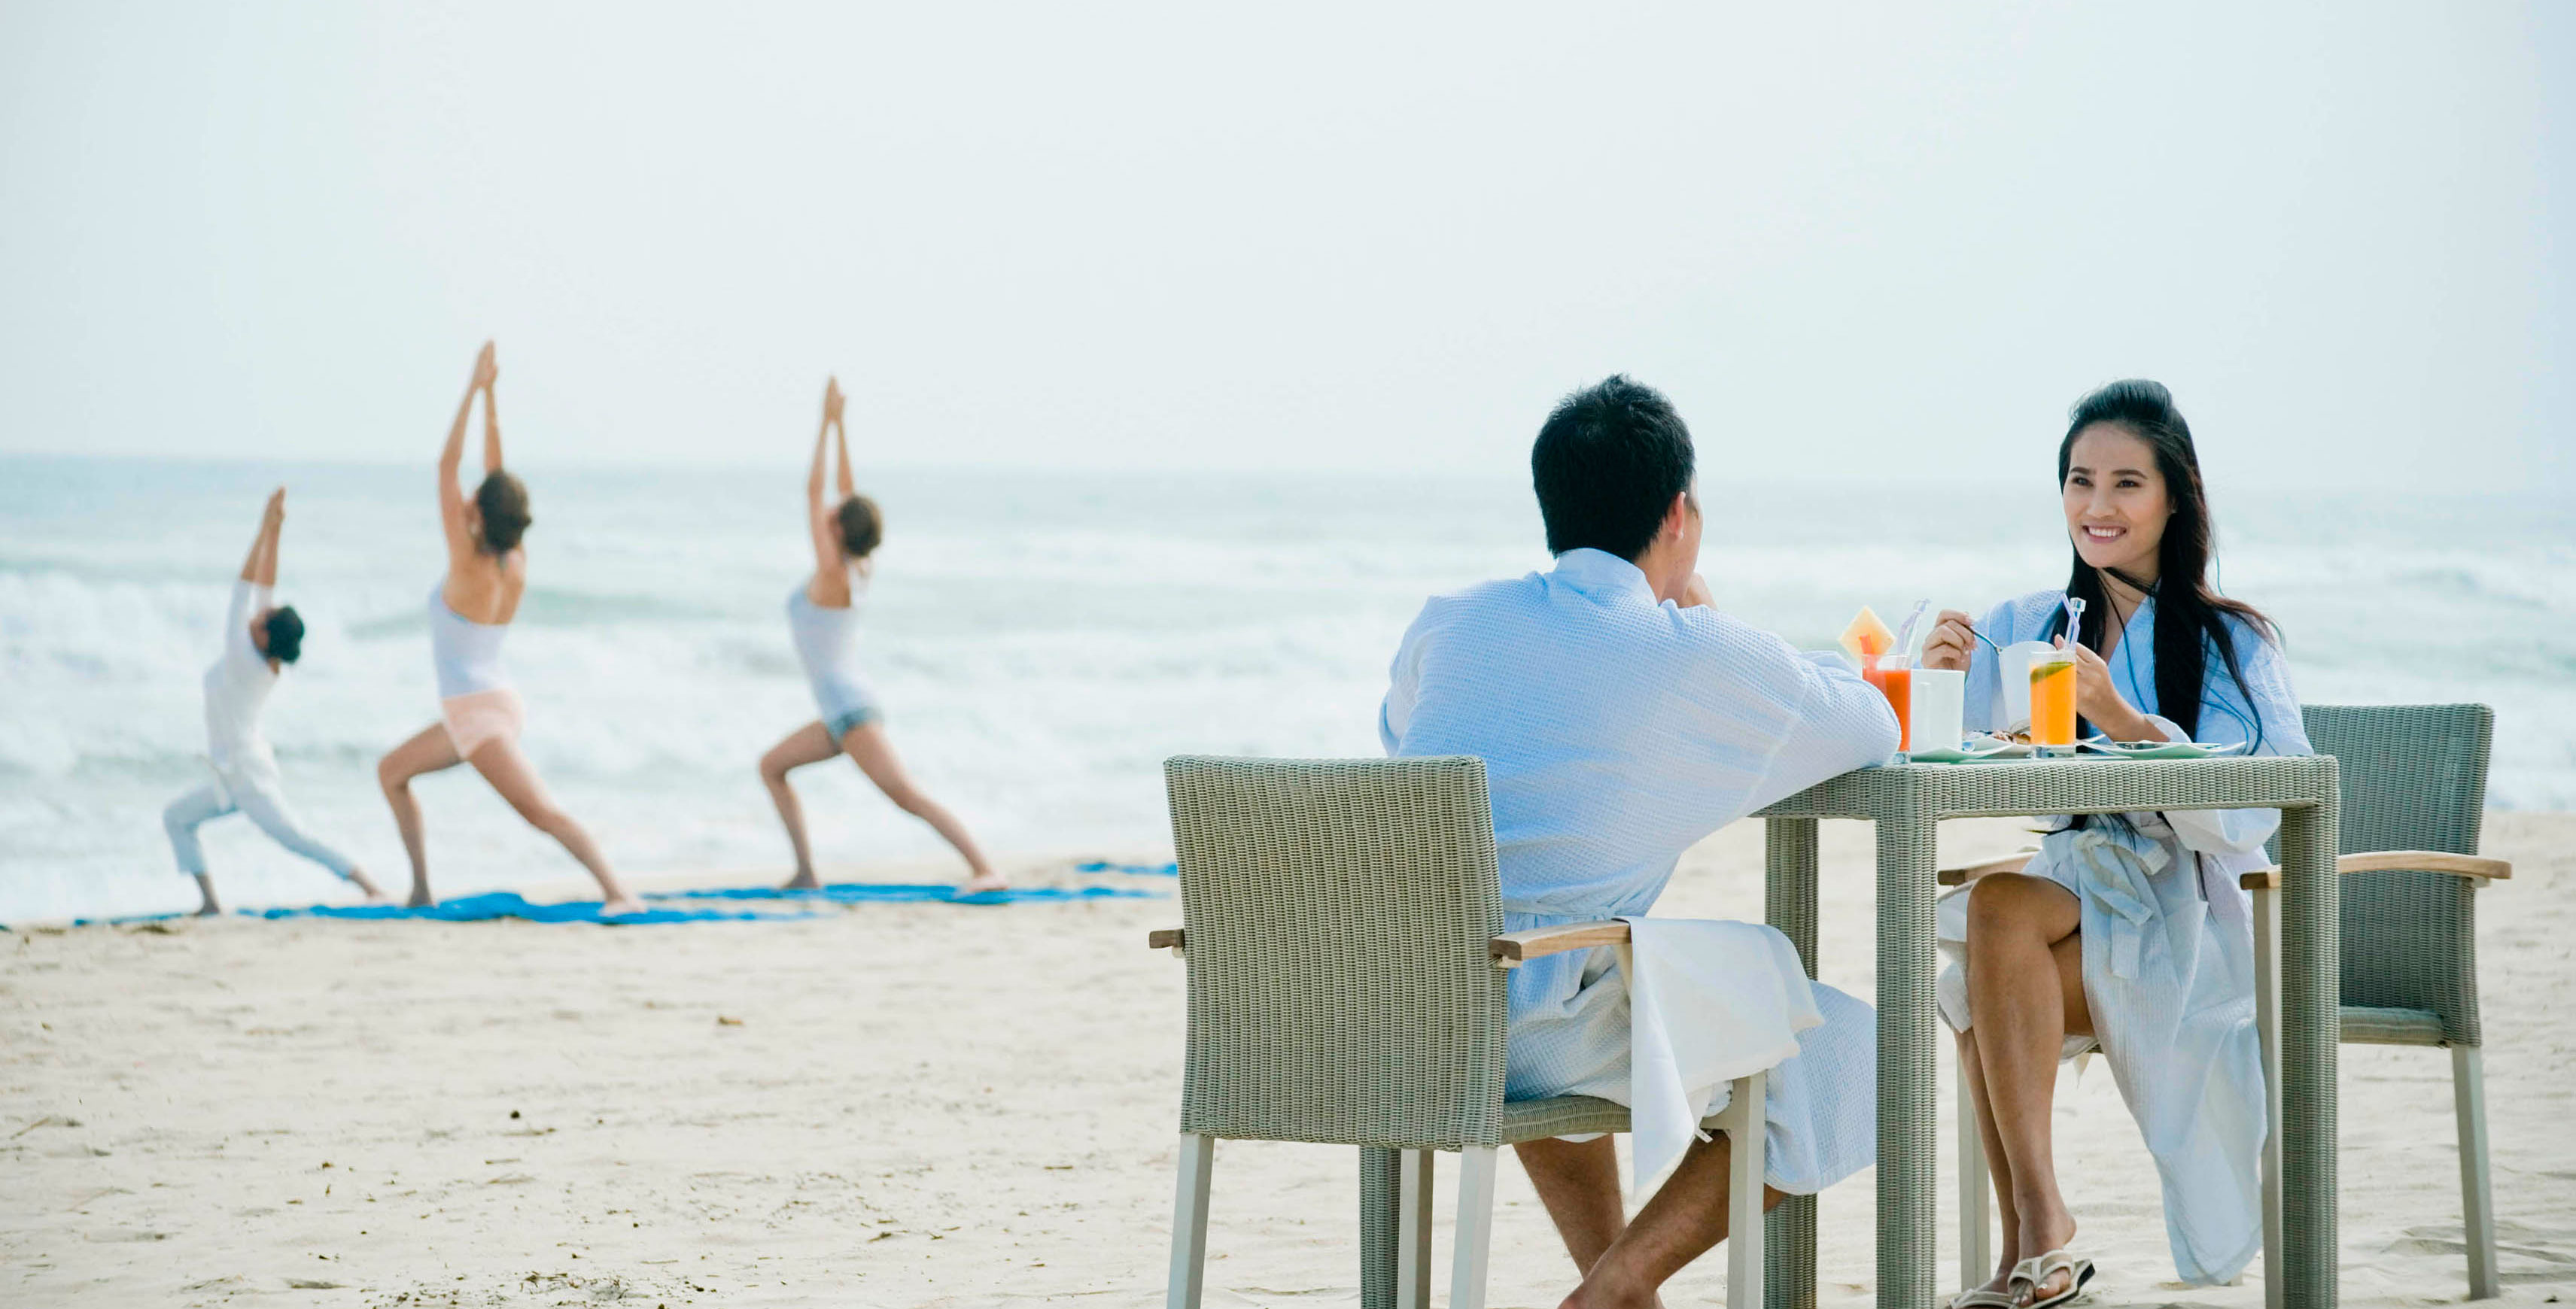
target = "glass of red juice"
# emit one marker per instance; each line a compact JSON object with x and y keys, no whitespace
{"x":1893,"y":675}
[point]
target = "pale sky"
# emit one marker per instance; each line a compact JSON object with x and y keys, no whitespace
{"x":1887,"y":241}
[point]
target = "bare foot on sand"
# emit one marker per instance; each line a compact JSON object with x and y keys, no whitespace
{"x":375,"y":894}
{"x":988,"y":882}
{"x":420,"y":897}
{"x":624,"y":904}
{"x":804,"y":881}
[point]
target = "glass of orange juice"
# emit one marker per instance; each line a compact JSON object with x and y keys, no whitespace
{"x":2052,"y":701}
{"x":1893,"y":675}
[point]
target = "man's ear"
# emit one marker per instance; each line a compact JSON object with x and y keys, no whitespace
{"x":1674,"y":517}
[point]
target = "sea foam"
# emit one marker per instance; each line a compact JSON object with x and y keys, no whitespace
{"x":1042,"y":642}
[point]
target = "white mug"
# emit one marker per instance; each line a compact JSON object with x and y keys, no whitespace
{"x":1939,"y":698}
{"x":2015,"y":660}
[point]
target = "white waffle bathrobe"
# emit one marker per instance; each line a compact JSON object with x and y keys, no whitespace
{"x":1617,"y":731}
{"x":2168,"y":938}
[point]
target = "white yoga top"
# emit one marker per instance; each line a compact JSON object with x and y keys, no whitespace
{"x":827,"y":642}
{"x":466,"y":653}
{"x":237,"y":687}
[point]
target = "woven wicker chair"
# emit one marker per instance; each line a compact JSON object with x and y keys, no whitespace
{"x":1342,"y":923}
{"x":2414,"y":782}
{"x":2414,"y":796}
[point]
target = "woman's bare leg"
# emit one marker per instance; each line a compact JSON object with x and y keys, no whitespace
{"x":510,"y":773}
{"x":428,"y":751}
{"x":867,"y":747}
{"x":2025,"y":994}
{"x":1998,"y":1164}
{"x":810,"y":744}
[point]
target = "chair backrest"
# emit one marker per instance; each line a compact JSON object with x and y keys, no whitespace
{"x":1337,"y":916}
{"x":2414,"y":778}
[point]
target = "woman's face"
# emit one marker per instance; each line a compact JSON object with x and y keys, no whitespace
{"x":2116,"y":506}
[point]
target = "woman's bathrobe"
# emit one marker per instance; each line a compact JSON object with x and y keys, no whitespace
{"x":2167,"y":935}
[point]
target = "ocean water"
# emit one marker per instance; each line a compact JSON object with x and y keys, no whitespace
{"x":1043,"y":640}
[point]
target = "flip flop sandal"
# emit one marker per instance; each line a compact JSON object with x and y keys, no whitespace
{"x":2034,"y":1271}
{"x":1981,"y":1298}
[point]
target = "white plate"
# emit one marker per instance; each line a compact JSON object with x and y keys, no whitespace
{"x":1968,"y":756}
{"x":1978,"y":748}
{"x":2162,"y":749}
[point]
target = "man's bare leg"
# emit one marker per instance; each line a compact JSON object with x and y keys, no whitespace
{"x":1684,"y":1220}
{"x":206,"y":887}
{"x":1578,"y":1181}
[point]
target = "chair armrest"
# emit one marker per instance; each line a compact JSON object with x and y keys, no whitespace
{"x":2011,"y":863}
{"x":1512,"y":949}
{"x":2475,"y":869}
{"x":1509,"y":949}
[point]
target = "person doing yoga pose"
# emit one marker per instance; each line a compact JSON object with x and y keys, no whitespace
{"x":480,"y":715}
{"x":259,"y":641}
{"x":823,"y":617}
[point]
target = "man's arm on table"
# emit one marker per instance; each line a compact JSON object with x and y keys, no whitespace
{"x":1843,"y":723}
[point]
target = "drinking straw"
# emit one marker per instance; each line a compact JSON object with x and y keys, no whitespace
{"x":2074,"y":620}
{"x":1905,"y":634}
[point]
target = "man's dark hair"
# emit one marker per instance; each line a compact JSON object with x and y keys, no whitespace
{"x":285,"y":634}
{"x":1607,"y":465}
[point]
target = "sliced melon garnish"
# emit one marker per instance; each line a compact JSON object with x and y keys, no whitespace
{"x":1867,"y":637}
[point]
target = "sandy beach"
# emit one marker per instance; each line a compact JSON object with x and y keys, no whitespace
{"x":939,"y":1105}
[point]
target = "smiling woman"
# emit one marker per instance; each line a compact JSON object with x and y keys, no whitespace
{"x":2125,"y":932}
{"x":2138,"y":517}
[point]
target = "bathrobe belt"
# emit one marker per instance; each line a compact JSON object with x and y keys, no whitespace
{"x":2112,"y":876}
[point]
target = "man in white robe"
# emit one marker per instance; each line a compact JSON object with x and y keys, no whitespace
{"x":1621,"y":719}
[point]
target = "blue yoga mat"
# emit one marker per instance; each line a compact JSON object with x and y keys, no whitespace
{"x":127,"y":921}
{"x":509,"y":904}
{"x":882,"y":892}
{"x":1141,"y":870}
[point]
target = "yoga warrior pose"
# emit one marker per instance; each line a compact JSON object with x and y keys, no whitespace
{"x":258,"y":641}
{"x":469,"y":612}
{"x":823,"y":616}
{"x":2126,"y":932}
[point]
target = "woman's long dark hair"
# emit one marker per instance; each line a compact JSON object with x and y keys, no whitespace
{"x":2191,"y":618}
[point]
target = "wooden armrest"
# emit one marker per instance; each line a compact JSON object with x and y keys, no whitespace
{"x":2011,"y":863}
{"x":2476,"y":869}
{"x":1511,"y":949}
{"x":1165,"y":938}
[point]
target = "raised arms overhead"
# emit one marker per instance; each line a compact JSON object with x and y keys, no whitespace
{"x":490,"y":370}
{"x":822,"y":443}
{"x":260,"y":567}
{"x":831,"y":577}
{"x":841,"y":440}
{"x":451,"y":495}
